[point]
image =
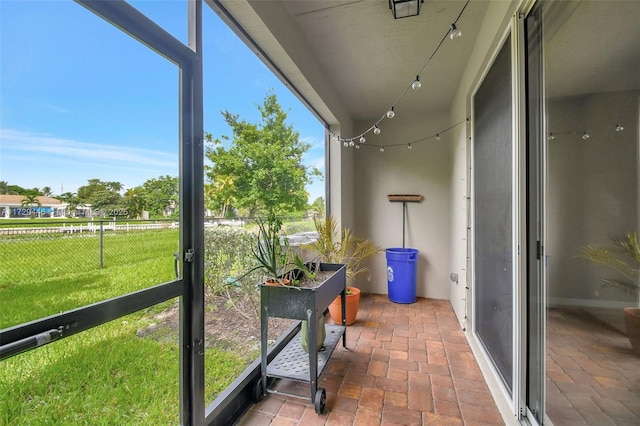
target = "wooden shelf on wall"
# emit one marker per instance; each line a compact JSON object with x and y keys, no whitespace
{"x":404,"y":198}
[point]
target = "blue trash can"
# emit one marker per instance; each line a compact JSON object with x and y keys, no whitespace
{"x":401,"y":274}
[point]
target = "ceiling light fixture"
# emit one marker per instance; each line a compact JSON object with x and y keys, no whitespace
{"x":405,"y":8}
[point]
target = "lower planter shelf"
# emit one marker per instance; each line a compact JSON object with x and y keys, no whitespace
{"x":293,"y":362}
{"x":305,"y":304}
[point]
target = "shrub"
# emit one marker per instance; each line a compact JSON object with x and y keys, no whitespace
{"x":228,"y":254}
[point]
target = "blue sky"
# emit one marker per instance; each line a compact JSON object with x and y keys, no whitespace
{"x":79,"y":99}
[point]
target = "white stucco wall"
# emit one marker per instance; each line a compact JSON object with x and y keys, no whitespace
{"x":496,"y":21}
{"x":425,"y":170}
{"x":341,"y":178}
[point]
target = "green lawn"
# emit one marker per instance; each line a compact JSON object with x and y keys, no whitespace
{"x":106,"y":375}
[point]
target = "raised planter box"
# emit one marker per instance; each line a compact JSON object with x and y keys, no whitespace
{"x":307,"y":304}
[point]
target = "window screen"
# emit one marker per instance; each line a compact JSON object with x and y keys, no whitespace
{"x":493,"y":233}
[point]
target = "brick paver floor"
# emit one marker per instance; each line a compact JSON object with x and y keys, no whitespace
{"x":593,"y":377}
{"x":404,"y":365}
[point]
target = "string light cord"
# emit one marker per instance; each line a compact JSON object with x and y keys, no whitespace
{"x":390,"y":113}
{"x":584,"y":135}
{"x":433,"y":136}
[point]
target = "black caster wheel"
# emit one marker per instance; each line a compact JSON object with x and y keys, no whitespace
{"x":258,"y":391}
{"x":320,"y":400}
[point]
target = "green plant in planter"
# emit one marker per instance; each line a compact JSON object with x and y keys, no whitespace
{"x":346,"y":248}
{"x":623,"y":258}
{"x":274,"y":257}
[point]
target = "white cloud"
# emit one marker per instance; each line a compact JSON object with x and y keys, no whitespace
{"x":55,"y":108}
{"x":31,"y":159}
{"x":315,"y":143}
{"x":317,"y":162}
{"x":83,"y":152}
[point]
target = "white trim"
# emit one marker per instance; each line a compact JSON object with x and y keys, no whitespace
{"x":587,"y":303}
{"x":498,"y":391}
{"x":519,"y":218}
{"x":506,"y":402}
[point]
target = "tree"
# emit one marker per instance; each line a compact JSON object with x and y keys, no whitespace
{"x":318,"y":206}
{"x":46,"y":191}
{"x":5,"y":188}
{"x":161,"y":193}
{"x":69,"y":198}
{"x":261,"y":169}
{"x":219,"y":195}
{"x":135,"y":200}
{"x":29,"y":201}
{"x":104,"y":197}
{"x":87,"y":192}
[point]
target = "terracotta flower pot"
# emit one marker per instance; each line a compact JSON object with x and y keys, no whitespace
{"x":632,"y":321}
{"x":352,"y":305}
{"x":272,"y":282}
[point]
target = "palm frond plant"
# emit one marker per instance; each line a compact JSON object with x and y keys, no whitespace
{"x":333,"y":246}
{"x":623,"y":258}
{"x":342,"y":247}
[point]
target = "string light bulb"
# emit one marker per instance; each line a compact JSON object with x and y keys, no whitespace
{"x":619,"y":128}
{"x":345,"y":143}
{"x":409,"y":146}
{"x":438,"y":136}
{"x":391,"y":113}
{"x":416,"y":83}
{"x":586,"y":136}
{"x":551,"y":136}
{"x":381,"y":149}
{"x":454,"y":32}
{"x":351,"y":142}
{"x":362,"y":139}
{"x":357,"y":146}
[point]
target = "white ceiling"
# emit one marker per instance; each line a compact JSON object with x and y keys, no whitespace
{"x":358,"y":56}
{"x":352,"y":58}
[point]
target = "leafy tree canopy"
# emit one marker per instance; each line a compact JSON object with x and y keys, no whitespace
{"x":7,"y":189}
{"x":101,"y":195}
{"x":160,"y":193}
{"x":318,"y":205}
{"x":87,"y":192}
{"x":261,"y":168}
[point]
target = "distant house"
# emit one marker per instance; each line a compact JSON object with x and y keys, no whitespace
{"x":170,"y":209}
{"x":11,"y":206}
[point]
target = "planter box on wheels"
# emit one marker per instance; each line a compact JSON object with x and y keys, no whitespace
{"x":305,"y":304}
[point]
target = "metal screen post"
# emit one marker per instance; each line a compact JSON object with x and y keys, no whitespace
{"x":101,"y":242}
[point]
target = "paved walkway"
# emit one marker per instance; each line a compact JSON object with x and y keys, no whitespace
{"x":404,"y":365}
